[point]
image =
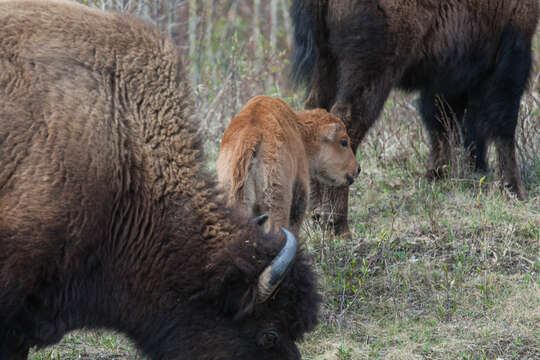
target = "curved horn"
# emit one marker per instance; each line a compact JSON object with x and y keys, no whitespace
{"x":259,"y":220}
{"x":272,"y":276}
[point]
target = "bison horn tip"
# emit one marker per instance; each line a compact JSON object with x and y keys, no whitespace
{"x":272,"y":276}
{"x":259,"y":220}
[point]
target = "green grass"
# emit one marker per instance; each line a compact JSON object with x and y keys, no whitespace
{"x":438,"y":270}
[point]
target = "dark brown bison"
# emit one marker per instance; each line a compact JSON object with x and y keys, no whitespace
{"x":107,"y":218}
{"x":269,"y":153}
{"x":470,"y":60}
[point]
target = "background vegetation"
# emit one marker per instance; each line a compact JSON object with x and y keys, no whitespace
{"x":439,"y":270}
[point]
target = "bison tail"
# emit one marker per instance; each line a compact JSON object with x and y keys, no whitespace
{"x":305,"y":49}
{"x":244,"y":156}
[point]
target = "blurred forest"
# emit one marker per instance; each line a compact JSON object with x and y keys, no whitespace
{"x":234,"y":49}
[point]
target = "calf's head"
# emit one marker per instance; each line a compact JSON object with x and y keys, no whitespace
{"x":331,"y":158}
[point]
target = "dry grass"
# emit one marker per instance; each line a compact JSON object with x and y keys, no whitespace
{"x":440,"y":270}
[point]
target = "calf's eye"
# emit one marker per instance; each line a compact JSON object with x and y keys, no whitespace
{"x":344,"y":143}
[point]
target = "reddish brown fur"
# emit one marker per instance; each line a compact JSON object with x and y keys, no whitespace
{"x":269,"y":153}
{"x":107,"y":219}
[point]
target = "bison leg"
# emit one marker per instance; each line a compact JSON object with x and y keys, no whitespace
{"x":474,"y":136}
{"x":358,"y":105}
{"x":494,"y":107}
{"x":357,"y":101}
{"x":323,"y":87}
{"x":332,"y":202}
{"x":507,"y":167}
{"x":323,"y":90}
{"x":499,"y":124}
{"x":475,"y":144}
{"x":333,"y":208}
{"x":279,"y":216}
{"x":440,"y":115}
{"x":277,"y":198}
{"x":300,"y":200}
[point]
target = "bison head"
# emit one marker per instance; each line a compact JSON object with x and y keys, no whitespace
{"x":266,"y":302}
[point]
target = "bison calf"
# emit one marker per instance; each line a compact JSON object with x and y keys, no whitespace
{"x":107,"y":218}
{"x":269,"y":153}
{"x":469,"y":59}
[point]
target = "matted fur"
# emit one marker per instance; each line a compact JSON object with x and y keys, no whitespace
{"x":269,"y":154}
{"x":107,"y":218}
{"x":470,"y":60}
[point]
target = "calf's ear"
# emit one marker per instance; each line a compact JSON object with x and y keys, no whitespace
{"x":330,"y":131}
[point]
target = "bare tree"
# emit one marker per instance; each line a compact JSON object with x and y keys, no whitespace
{"x":257,"y":15}
{"x":274,"y":24}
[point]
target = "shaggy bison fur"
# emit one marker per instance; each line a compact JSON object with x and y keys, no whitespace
{"x":469,"y":59}
{"x":107,"y":218}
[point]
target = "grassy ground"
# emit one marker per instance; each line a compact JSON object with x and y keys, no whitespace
{"x":445,"y":270}
{"x":434,"y":270}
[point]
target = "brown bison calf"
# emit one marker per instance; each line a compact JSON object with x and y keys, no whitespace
{"x":470,"y":60}
{"x":269,"y":153}
{"x":107,"y":218}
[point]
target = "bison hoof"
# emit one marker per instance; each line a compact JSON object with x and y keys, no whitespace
{"x":338,"y":228}
{"x":342,"y":230}
{"x":513,"y":190}
{"x":436,"y":173}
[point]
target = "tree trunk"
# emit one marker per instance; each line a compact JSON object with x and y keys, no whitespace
{"x":192,"y":33}
{"x":274,"y":24}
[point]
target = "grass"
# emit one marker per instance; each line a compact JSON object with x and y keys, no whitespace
{"x":444,"y":270}
{"x":438,"y":270}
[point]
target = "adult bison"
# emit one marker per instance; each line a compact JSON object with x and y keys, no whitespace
{"x":107,"y":218}
{"x":269,"y":153}
{"x":470,"y":60}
